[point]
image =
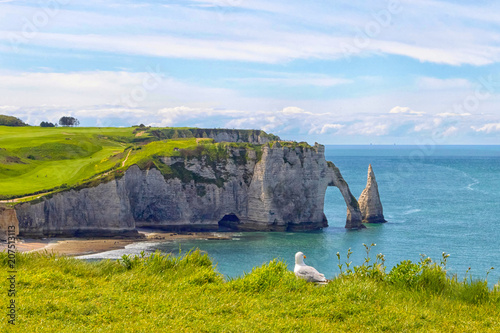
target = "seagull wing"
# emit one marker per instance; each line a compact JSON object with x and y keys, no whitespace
{"x":310,"y":274}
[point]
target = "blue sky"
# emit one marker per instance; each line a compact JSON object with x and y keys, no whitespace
{"x":336,"y":72}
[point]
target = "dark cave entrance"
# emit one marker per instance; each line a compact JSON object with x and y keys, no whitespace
{"x":229,"y":222}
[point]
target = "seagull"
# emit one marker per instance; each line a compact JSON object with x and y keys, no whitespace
{"x":305,"y":272}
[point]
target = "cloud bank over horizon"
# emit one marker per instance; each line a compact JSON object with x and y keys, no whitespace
{"x":345,"y":72}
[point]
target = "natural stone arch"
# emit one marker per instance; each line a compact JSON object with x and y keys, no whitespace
{"x":334,"y":178}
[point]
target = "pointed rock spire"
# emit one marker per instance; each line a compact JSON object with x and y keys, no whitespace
{"x":369,"y":201}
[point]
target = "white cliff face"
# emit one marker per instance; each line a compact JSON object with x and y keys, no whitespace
{"x":369,"y":201}
{"x":287,"y":190}
{"x":100,"y":210}
{"x":283,"y":189}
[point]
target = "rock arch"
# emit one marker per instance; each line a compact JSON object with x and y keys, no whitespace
{"x":354,"y":217}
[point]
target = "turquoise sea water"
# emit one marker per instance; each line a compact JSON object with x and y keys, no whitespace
{"x":436,"y":199}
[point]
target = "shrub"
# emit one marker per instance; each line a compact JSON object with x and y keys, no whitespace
{"x":69,"y":121}
{"x":405,"y":273}
{"x":47,"y":124}
{"x":269,"y":276}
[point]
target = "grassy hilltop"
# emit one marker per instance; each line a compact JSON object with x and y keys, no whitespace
{"x":41,"y":160}
{"x":164,"y":293}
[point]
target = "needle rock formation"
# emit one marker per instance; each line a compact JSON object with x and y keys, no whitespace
{"x":369,"y":201}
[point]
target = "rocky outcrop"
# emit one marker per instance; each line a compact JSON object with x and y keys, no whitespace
{"x":9,"y":225}
{"x":369,"y":201}
{"x":276,"y":188}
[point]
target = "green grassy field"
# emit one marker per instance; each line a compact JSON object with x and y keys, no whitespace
{"x":163,"y":293}
{"x":35,"y":160}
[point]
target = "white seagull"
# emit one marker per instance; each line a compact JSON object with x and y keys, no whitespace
{"x":305,"y":272}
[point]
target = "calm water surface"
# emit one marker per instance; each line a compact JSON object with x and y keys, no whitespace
{"x":441,"y":199}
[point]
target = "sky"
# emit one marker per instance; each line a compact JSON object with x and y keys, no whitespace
{"x":334,"y":72}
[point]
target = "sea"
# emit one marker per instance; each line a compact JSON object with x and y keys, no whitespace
{"x":436,"y":199}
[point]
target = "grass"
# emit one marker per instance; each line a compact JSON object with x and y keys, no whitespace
{"x":185,"y":293}
{"x":35,"y":160}
{"x":159,"y":148}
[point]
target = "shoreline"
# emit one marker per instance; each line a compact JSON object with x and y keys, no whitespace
{"x":74,"y":246}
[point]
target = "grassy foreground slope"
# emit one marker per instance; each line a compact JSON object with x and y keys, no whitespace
{"x":36,"y":160}
{"x":162,"y":293}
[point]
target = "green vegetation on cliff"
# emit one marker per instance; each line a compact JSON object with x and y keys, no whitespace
{"x":35,"y":160}
{"x":206,"y":151}
{"x":163,"y":293}
{"x":11,"y":121}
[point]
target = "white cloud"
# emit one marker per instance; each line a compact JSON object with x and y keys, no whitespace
{"x":171,"y":116}
{"x":405,"y":110}
{"x":116,"y":112}
{"x":82,"y":89}
{"x":488,"y":128}
{"x":294,"y":80}
{"x":95,"y":98}
{"x":286,"y":30}
{"x":440,"y":84}
{"x":274,"y":48}
{"x":452,"y":114}
{"x":450,"y":131}
{"x":368,"y":128}
{"x":169,"y":46}
{"x":440,"y":55}
{"x":291,"y":110}
{"x":8,"y":108}
{"x":291,"y":122}
{"x":328,"y":128}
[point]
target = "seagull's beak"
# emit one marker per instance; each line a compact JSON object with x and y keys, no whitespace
{"x":304,"y":256}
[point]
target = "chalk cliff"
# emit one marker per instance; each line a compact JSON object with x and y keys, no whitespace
{"x":8,"y":222}
{"x":369,"y":201}
{"x":276,"y":188}
{"x":103,"y":210}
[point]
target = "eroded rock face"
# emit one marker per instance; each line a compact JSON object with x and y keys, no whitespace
{"x":369,"y":201}
{"x":98,"y":211}
{"x":283,"y":189}
{"x":9,"y":225}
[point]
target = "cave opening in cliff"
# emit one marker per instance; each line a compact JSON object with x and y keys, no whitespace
{"x":229,"y":222}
